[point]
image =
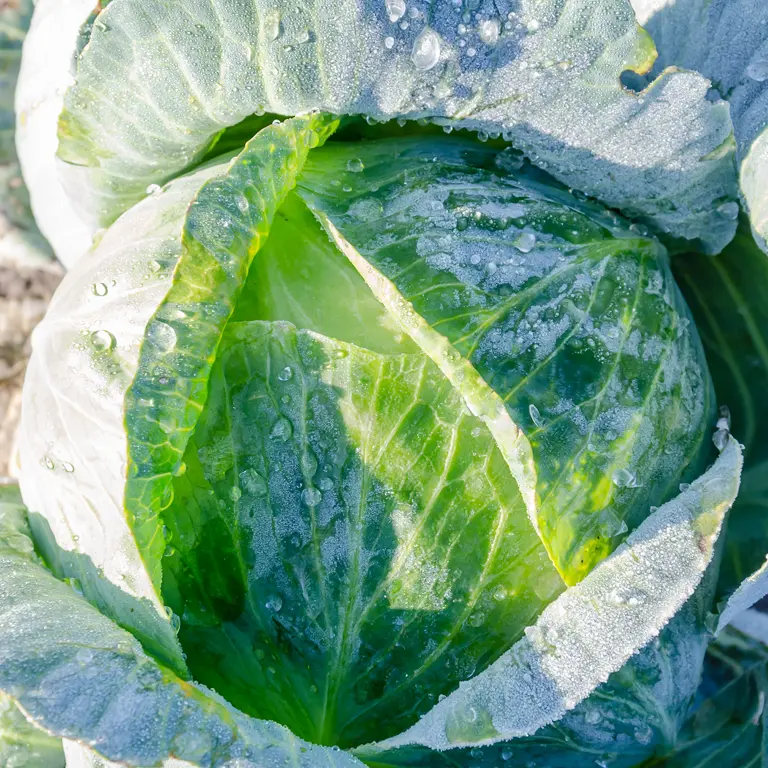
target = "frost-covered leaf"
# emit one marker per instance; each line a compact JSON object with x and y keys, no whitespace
{"x":73,"y":448}
{"x":593,"y":628}
{"x":345,"y":537}
{"x":635,"y":714}
{"x":728,"y":295}
{"x":727,"y":41}
{"x":80,"y":676}
{"x":158,"y":82}
{"x":549,"y":315}
{"x":47,"y":69}
{"x":22,"y":745}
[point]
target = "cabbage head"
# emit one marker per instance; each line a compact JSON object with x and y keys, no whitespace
{"x":384,"y":414}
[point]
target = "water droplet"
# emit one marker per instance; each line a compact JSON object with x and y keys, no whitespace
{"x":489,"y":31}
{"x":175,"y":623}
{"x":274,"y":603}
{"x":312,"y":139}
{"x":389,"y":43}
{"x":242,"y":204}
{"x":281,"y":430}
{"x":758,"y":70}
{"x":103,"y":341}
{"x":730,"y":210}
{"x":272,"y":27}
{"x":67,"y":467}
{"x":472,"y":52}
{"x":303,"y":37}
{"x":624,"y":478}
{"x":499,"y":593}
{"x":162,"y":335}
{"x":99,"y":289}
{"x":535,"y":415}
{"x":592,"y":716}
{"x":525,"y":242}
{"x":253,"y":483}
{"x":471,"y":714}
{"x":426,"y":49}
{"x":308,"y":464}
{"x":235,"y":493}
{"x":355,"y":165}
{"x":532,"y":25}
{"x":395,"y":9}
{"x":311,"y":497}
{"x":720,"y":439}
{"x":414,"y":12}
{"x":286,"y":374}
{"x":506,"y":754}
{"x":684,"y":487}
{"x":154,"y":189}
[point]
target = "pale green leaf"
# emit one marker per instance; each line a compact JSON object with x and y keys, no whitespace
{"x":727,"y":41}
{"x":78,"y":675}
{"x":158,"y":83}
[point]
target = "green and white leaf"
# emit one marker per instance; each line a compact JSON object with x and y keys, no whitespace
{"x":593,"y":628}
{"x":727,"y":41}
{"x":47,"y":70}
{"x":158,"y":83}
{"x":77,"y":674}
{"x":728,"y":295}
{"x":23,"y":745}
{"x":549,"y":315}
{"x":636,"y":714}
{"x":73,"y":450}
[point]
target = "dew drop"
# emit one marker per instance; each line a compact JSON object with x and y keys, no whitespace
{"x":48,"y":462}
{"x":312,"y":139}
{"x":592,"y":716}
{"x":489,"y":31}
{"x":103,"y":341}
{"x":758,"y":70}
{"x":274,"y":603}
{"x":272,"y":27}
{"x":67,"y":467}
{"x":730,"y":210}
{"x":684,"y":487}
{"x":535,"y":415}
{"x":426,"y":49}
{"x":99,"y":289}
{"x":389,"y":43}
{"x":472,"y":52}
{"x":253,"y":483}
{"x":506,"y":754}
{"x":281,"y":429}
{"x":235,"y":493}
{"x":162,"y":335}
{"x":311,"y":497}
{"x":532,"y":25}
{"x":395,"y":9}
{"x":624,"y":478}
{"x":286,"y":374}
{"x":154,"y":189}
{"x":355,"y":165}
{"x":720,"y":439}
{"x":242,"y":204}
{"x":525,"y":242}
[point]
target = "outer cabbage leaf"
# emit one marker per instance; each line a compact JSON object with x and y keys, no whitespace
{"x":73,"y":452}
{"x":158,"y":82}
{"x":728,"y":295}
{"x":593,"y":628}
{"x":47,"y":69}
{"x":726,"y":722}
{"x":22,"y":745}
{"x":727,"y":41}
{"x":549,"y":317}
{"x":77,"y":674}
